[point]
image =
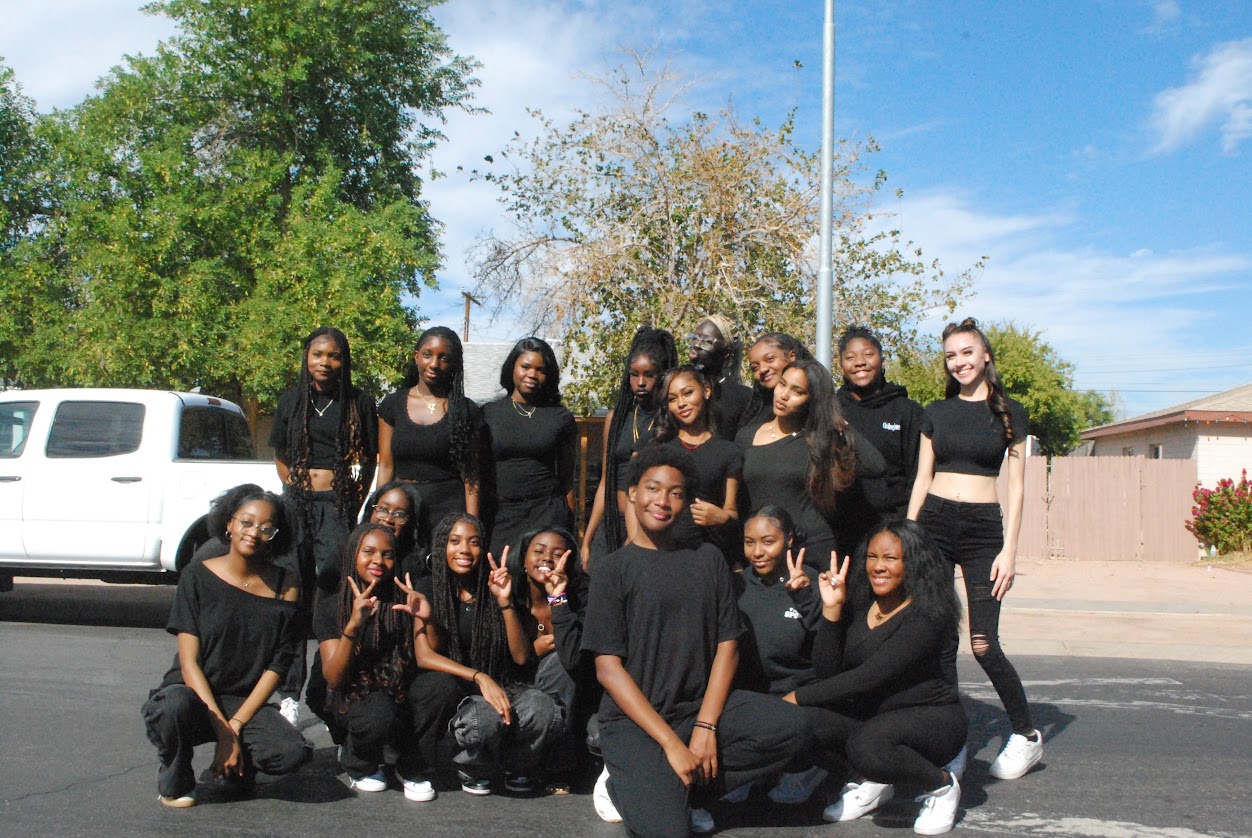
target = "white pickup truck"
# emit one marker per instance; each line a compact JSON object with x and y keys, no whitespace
{"x":115,"y":484}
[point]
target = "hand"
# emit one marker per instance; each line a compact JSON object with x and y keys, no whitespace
{"x":584,"y":555}
{"x":1003,"y":569}
{"x":364,"y":605}
{"x":500,"y":582}
{"x":494,"y":695}
{"x":556,"y":579}
{"x":704,"y":747}
{"x":798,"y":578}
{"x":544,"y":644}
{"x":228,"y":757}
{"x":707,"y":514}
{"x":790,"y":697}
{"x":833,"y":584}
{"x":683,"y":761}
{"x":414,"y":603}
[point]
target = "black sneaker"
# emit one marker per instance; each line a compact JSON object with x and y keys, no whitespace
{"x":474,"y":785}
{"x":519,"y":784}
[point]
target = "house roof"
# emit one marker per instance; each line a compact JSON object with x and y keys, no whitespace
{"x":1231,"y":406}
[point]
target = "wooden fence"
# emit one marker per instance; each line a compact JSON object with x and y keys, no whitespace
{"x":1110,"y":508}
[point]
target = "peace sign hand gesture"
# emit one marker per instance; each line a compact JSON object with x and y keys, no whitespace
{"x":833,"y":587}
{"x":364,"y":605}
{"x":555,"y":580}
{"x":415,"y":605}
{"x":797,"y":577}
{"x":500,"y":581}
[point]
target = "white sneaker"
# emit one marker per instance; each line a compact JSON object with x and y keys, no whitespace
{"x":601,"y":800}
{"x":702,"y":822}
{"x":957,"y":766}
{"x":797,"y":788}
{"x":374,"y":782}
{"x":1018,"y":757}
{"x":290,"y":710}
{"x":858,"y":799}
{"x":420,"y":791}
{"x":938,"y":810}
{"x":738,"y":795}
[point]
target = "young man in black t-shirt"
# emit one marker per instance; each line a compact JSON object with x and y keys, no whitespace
{"x":663,"y":624}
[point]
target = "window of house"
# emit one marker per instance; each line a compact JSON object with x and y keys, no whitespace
{"x":1156,"y":452}
{"x":1128,"y":451}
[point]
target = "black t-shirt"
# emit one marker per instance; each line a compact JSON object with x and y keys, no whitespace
{"x":663,"y":613}
{"x":716,"y":461}
{"x":777,"y":473}
{"x":422,"y":453}
{"x":781,"y":624}
{"x":534,"y":453}
{"x":967,"y":437}
{"x":867,"y":671}
{"x":892,"y":423}
{"x":323,"y":428}
{"x":636,"y":430}
{"x":730,"y":400}
{"x":373,"y":653}
{"x":242,"y":635}
{"x":465,"y":614}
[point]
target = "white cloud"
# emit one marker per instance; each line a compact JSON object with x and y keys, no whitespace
{"x":1220,"y":91}
{"x":1164,"y":12}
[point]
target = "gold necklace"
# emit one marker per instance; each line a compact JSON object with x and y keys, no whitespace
{"x":431,"y":406}
{"x":634,"y":424}
{"x":517,"y":406}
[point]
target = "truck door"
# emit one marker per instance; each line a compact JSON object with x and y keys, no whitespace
{"x":86,"y":501}
{"x":15,"y":421}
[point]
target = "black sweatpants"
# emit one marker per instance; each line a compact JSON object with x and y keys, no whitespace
{"x":909,"y":745}
{"x":177,"y":721}
{"x":757,"y":737}
{"x":413,"y":726}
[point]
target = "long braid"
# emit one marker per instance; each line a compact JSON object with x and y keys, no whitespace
{"x":464,"y":431}
{"x":997,"y":398}
{"x":488,"y":650}
{"x":658,"y":346}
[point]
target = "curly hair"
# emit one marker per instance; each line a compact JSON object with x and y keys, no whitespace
{"x":927,"y":576}
{"x":997,"y":399}
{"x":385,"y":643}
{"x":225,"y":505}
{"x":517,"y":568}
{"x":549,"y":393}
{"x":351,"y":438}
{"x":489,"y":644}
{"x":657,"y":345}
{"x":666,"y":427}
{"x":410,"y":538}
{"x":786,"y":343}
{"x":465,"y":431}
{"x":832,"y":459}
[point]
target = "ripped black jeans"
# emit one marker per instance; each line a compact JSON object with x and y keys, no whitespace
{"x":972,"y":535}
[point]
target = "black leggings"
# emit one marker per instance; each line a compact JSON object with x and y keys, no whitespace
{"x":899,"y":746}
{"x":972,"y":535}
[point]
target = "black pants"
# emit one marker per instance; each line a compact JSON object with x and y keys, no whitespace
{"x":514,"y":517}
{"x":412,"y":727}
{"x":177,"y":721}
{"x":972,"y":535}
{"x":757,"y":736}
{"x":908,"y":745}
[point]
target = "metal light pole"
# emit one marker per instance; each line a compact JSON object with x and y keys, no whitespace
{"x":825,"y":272}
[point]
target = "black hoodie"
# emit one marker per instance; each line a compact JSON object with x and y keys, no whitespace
{"x":892,"y":422}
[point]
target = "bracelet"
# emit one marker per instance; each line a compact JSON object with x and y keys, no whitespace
{"x":474,"y":677}
{"x":233,"y":719}
{"x":347,"y":636}
{"x":558,"y":599}
{"x":508,"y":607}
{"x":709,"y":726}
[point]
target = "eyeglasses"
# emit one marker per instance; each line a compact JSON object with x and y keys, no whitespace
{"x":264,"y":531}
{"x":703,"y":343}
{"x":398,"y":515}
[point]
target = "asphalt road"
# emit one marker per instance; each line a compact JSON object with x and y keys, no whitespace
{"x":1135,"y":748}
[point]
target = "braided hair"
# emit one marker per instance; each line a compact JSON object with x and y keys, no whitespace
{"x":489,"y":644}
{"x":832,"y":460}
{"x":785,"y":343}
{"x":351,"y":446}
{"x":462,"y":425}
{"x":385,"y":643}
{"x":521,"y":581}
{"x":657,"y":345}
{"x":666,"y":427}
{"x":997,"y":399}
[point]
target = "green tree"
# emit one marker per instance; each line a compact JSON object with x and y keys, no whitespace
{"x":625,"y":217}
{"x":1033,"y":373}
{"x":22,"y":184}
{"x":257,"y":177}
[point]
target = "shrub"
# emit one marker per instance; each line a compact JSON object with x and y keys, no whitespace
{"x":1222,"y":516}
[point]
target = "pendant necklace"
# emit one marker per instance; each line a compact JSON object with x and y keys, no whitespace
{"x":634,"y":425}
{"x":321,"y":412}
{"x":521,"y":411}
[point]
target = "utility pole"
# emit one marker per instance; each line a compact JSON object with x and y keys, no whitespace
{"x":469,"y":298}
{"x":825,"y":258}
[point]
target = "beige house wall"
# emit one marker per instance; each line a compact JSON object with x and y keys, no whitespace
{"x":1219,"y":449}
{"x":1224,"y":451}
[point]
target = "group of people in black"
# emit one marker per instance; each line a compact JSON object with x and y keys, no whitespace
{"x":762,"y":595}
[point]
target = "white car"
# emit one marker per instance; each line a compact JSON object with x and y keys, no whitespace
{"x":115,"y":484}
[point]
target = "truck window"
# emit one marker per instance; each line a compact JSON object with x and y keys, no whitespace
{"x":95,"y":429}
{"x":210,"y":433}
{"x":15,"y":419}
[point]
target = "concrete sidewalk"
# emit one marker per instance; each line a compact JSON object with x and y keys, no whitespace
{"x":1150,"y":611}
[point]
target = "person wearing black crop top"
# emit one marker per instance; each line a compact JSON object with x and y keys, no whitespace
{"x":325,"y":440}
{"x":652,"y":354}
{"x":717,"y":352}
{"x":533,"y":439}
{"x":883,"y":706}
{"x":964,"y":440}
{"x":238,"y":631}
{"x":807,"y":460}
{"x":430,"y":434}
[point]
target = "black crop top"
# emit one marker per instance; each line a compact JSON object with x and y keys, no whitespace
{"x":967,"y":437}
{"x":323,"y":428}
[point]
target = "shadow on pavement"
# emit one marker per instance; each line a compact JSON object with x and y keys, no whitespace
{"x":87,"y":604}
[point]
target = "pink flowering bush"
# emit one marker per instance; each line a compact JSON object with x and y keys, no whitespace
{"x":1222,"y":517}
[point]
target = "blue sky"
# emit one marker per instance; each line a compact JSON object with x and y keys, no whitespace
{"x":1096,"y":152}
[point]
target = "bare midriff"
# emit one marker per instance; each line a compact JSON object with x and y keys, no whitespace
{"x":321,"y":479}
{"x":966,"y":488}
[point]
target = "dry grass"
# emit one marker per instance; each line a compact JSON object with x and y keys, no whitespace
{"x":1240,"y":560}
